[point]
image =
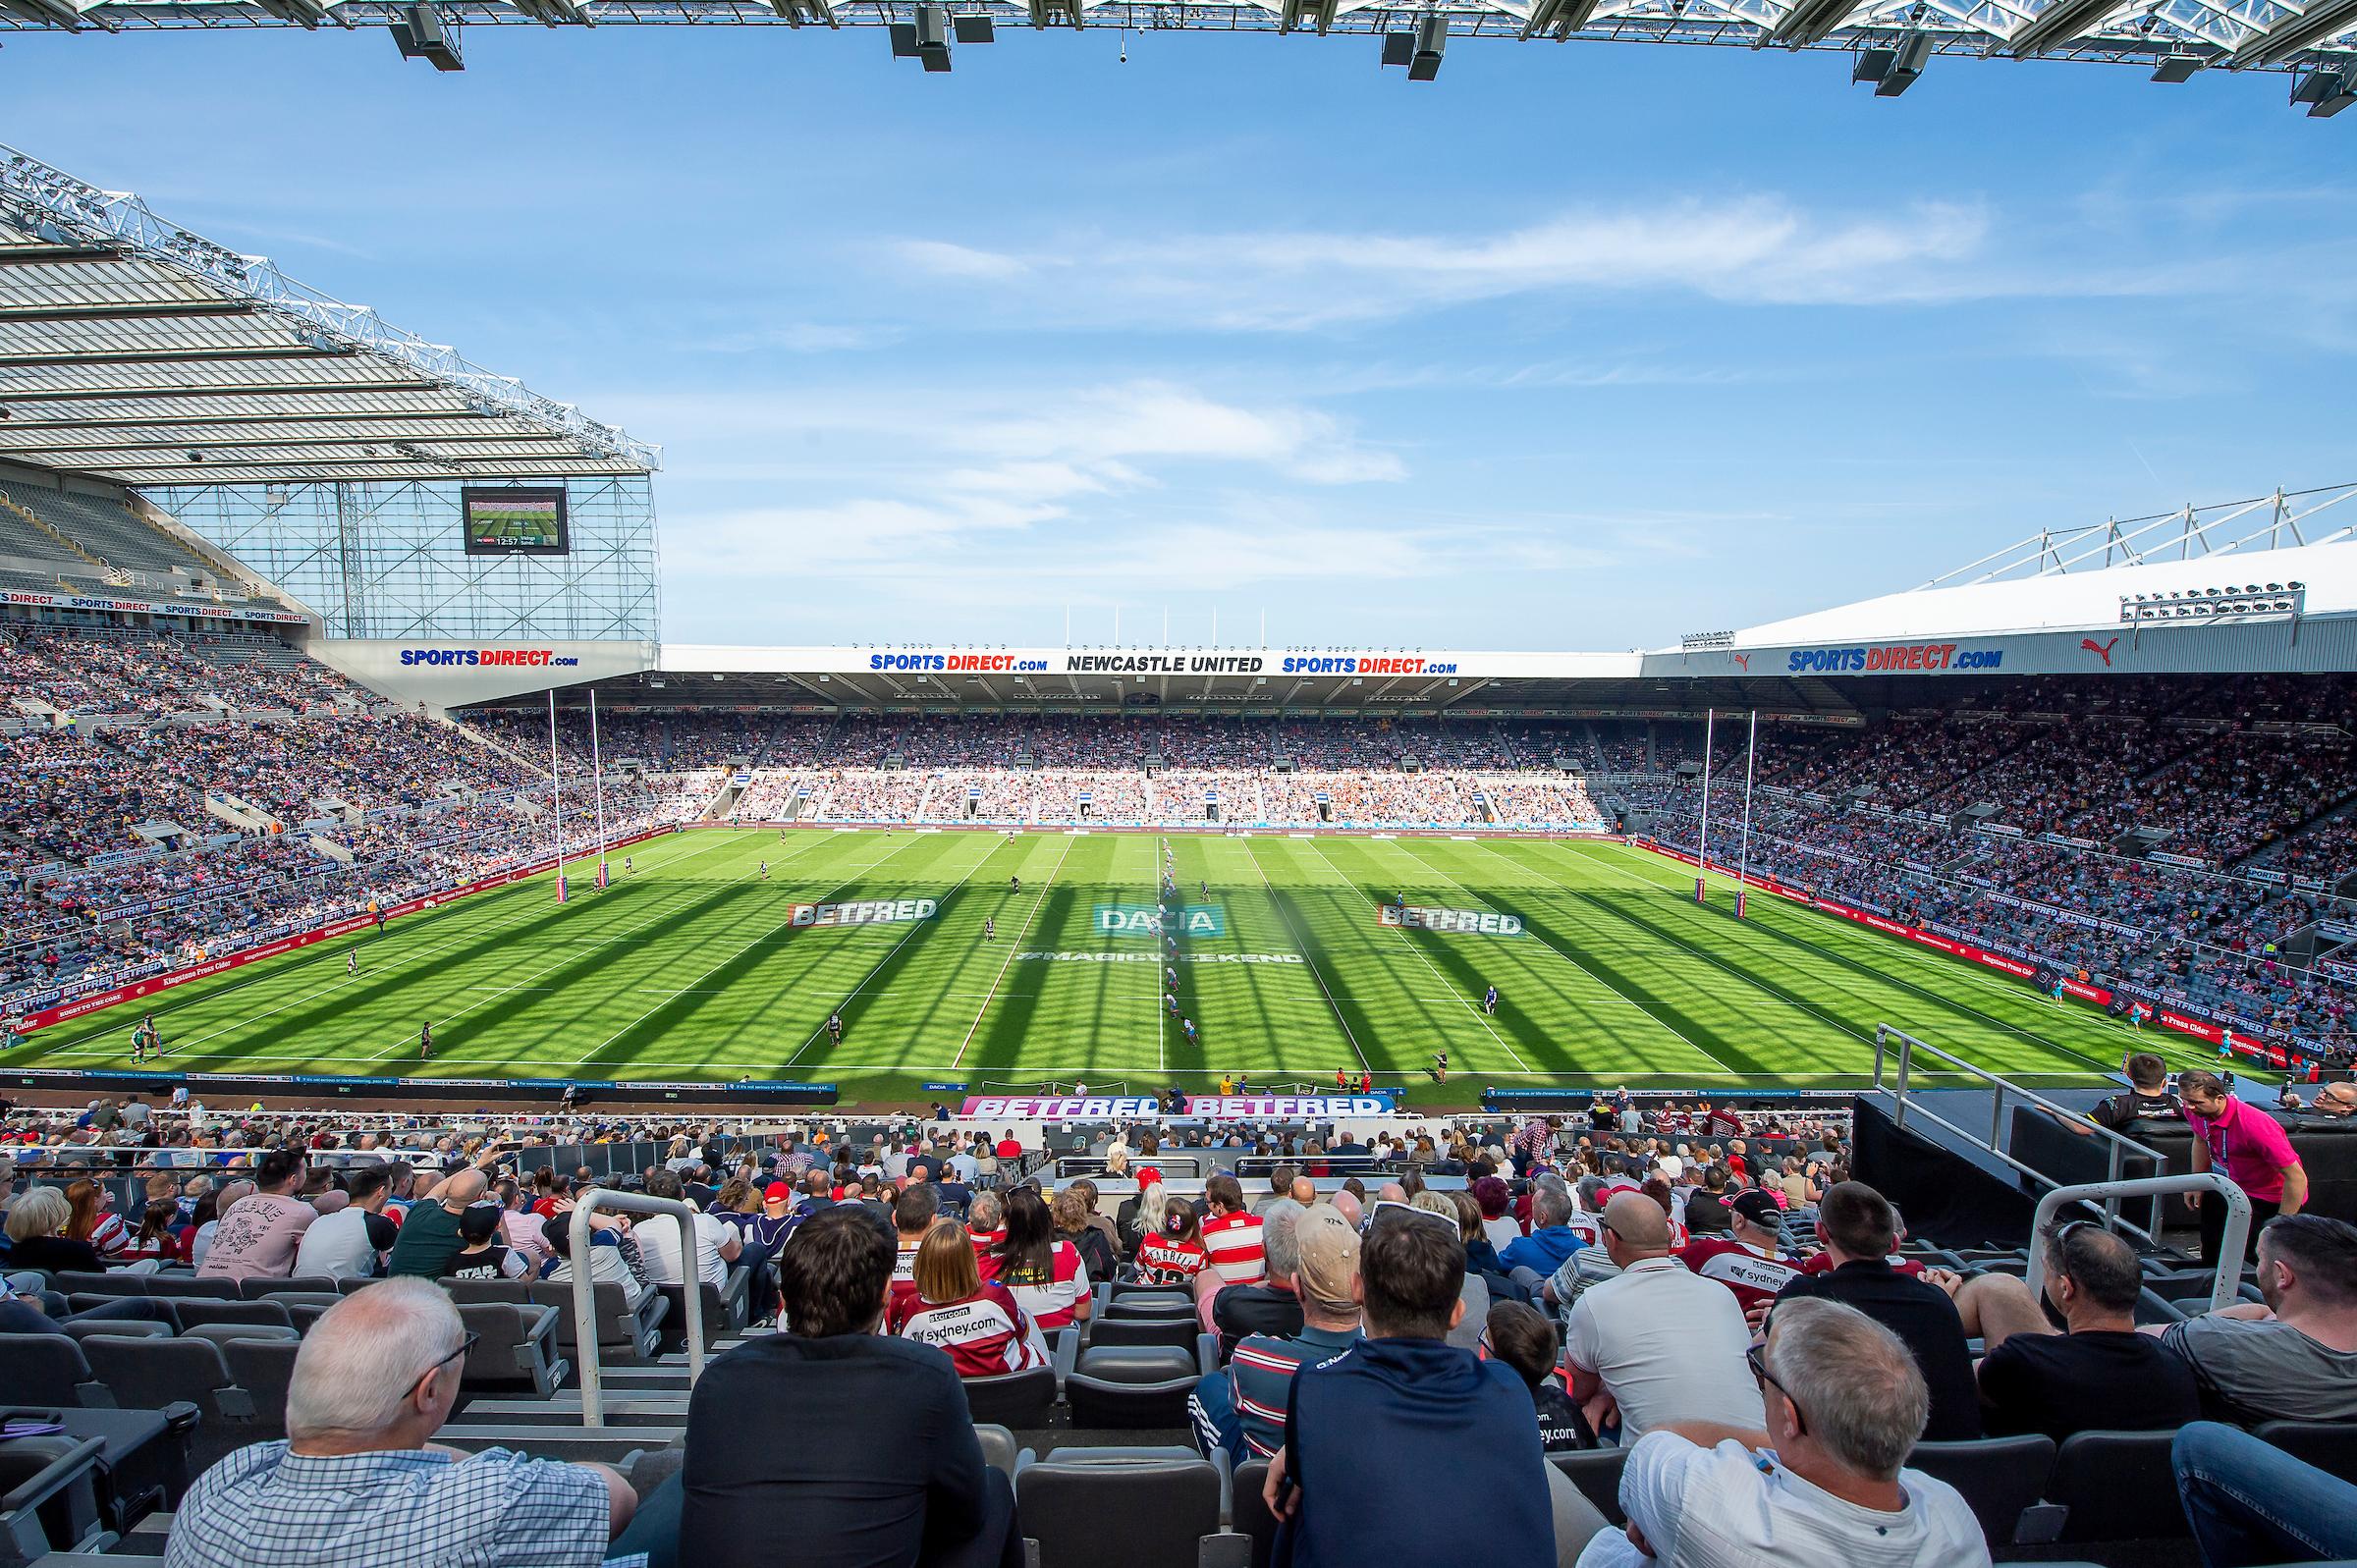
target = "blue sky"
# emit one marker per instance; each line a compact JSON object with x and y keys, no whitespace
{"x":1580,"y":347}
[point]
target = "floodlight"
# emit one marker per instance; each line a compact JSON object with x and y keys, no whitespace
{"x":2175,"y":68}
{"x":2325,"y":93}
{"x":1907,"y":66}
{"x":420,"y":34}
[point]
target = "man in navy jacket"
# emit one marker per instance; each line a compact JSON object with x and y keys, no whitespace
{"x":1404,"y":1415}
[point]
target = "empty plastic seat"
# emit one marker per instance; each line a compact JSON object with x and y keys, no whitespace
{"x":1177,"y":1333}
{"x":300,"y":1285}
{"x":151,"y":1374}
{"x":49,"y":1496}
{"x":2330,"y":1446}
{"x":1145,"y":1512}
{"x":1248,"y":1510}
{"x":2118,"y":1485}
{"x":515,"y":1348}
{"x":239,"y":1314}
{"x":1596,"y":1471}
{"x":226,"y":1333}
{"x":265,"y":1369}
{"x":1130,"y":1386}
{"x":182,"y":1286}
{"x":1018,"y":1399}
{"x":1998,"y":1476}
{"x":48,"y":1369}
{"x":999,"y":1448}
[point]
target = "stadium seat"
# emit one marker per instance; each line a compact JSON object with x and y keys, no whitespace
{"x":306,"y":1309}
{"x":145,"y":1462}
{"x":303,"y":1284}
{"x":105,"y":1325}
{"x":1085,"y":1509}
{"x":264,"y":1368}
{"x":2330,"y":1446}
{"x":726,"y":1310}
{"x":1021,"y":1400}
{"x":1136,"y":1386}
{"x":514,"y":1346}
{"x":49,"y":1495}
{"x":177,"y":1285}
{"x":2117,"y":1485}
{"x":624,"y":1337}
{"x":1249,"y":1514}
{"x":999,"y":1448}
{"x":1177,"y":1332}
{"x":49,"y":1369}
{"x":1998,"y":1476}
{"x":1596,"y":1471}
{"x":224,"y":1333}
{"x":151,"y":1374}
{"x":67,"y":1282}
{"x":238,"y":1314}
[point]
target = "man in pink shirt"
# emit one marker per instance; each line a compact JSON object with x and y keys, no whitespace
{"x":258,"y":1234}
{"x":2246,"y":1146}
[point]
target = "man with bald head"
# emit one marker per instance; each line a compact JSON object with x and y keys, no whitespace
{"x":1305,"y":1191}
{"x":1655,"y":1343}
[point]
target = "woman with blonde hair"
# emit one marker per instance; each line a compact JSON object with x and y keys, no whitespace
{"x":980,"y":1327}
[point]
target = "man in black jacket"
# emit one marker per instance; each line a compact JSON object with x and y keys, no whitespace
{"x":895,"y":1477}
{"x":1860,"y":1231}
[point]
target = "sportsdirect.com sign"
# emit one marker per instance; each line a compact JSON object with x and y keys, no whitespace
{"x":1427,"y":917}
{"x":865,"y":912}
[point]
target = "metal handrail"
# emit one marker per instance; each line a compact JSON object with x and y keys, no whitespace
{"x":2224,"y":1290}
{"x":2116,"y":1149}
{"x":585,"y":1290}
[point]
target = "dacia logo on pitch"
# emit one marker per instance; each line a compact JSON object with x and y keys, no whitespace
{"x":1147,"y":920}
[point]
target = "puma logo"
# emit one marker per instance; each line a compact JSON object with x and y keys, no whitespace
{"x":2102,"y":650}
{"x":1745,"y":660}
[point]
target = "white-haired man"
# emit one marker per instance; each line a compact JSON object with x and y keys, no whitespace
{"x":356,"y":1483}
{"x":1823,"y":1483}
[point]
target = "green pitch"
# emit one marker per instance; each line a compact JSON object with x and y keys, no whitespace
{"x":689,"y":969}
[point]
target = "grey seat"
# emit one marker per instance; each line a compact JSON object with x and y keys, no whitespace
{"x":1179,"y":1333}
{"x":49,"y":1495}
{"x":624,"y":1337}
{"x":515,"y":1348}
{"x":1998,"y":1476}
{"x":1021,"y":1400}
{"x":305,"y":1309}
{"x":227,"y":1333}
{"x":300,"y":1284}
{"x":48,"y":1369}
{"x":2330,"y":1446}
{"x":183,"y":1285}
{"x":130,"y":1327}
{"x":1130,"y":1386}
{"x":265,"y":1369}
{"x":2112,"y":1482}
{"x":1596,"y":1471}
{"x":1147,"y":1512}
{"x":238,"y":1314}
{"x":151,"y":1374}
{"x":726,"y":1309}
{"x":999,"y":1448}
{"x":1249,"y":1514}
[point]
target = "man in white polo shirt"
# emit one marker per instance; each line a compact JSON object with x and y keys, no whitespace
{"x":1656,"y":1344}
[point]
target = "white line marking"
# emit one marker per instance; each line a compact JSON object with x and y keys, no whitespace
{"x":1011,"y":950}
{"x":1302,"y":947}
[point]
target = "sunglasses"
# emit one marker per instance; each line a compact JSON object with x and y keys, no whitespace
{"x":466,"y":1345}
{"x":1757,"y":1356}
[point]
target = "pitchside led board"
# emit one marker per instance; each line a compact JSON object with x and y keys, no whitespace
{"x":514,"y":519}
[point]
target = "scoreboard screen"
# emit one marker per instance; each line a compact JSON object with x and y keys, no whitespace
{"x":514,"y":519}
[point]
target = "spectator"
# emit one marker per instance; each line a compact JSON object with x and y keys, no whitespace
{"x":257,"y":1236}
{"x":949,"y":1306}
{"x":717,"y":1245}
{"x":1859,"y":1231}
{"x":1498,"y":1226}
{"x":358,"y":1484}
{"x":912,"y":1215}
{"x":36,"y":1227}
{"x":1173,"y":1254}
{"x":2249,"y":1501}
{"x":1750,"y":1259}
{"x":1076,"y":1223}
{"x":481,"y":1255}
{"x":429,"y":1237}
{"x":2147,"y":1098}
{"x":1267,"y":1306}
{"x":1821,"y":1483}
{"x":1405,"y":1415}
{"x":1523,"y":1338}
{"x":1044,"y":1275}
{"x":898,"y":1477}
{"x":23,"y":1311}
{"x":614,"y":1256}
{"x":1655,"y":1344}
{"x":2099,"y":1373}
{"x":2294,"y":1359}
{"x":2250,"y":1149}
{"x":986,"y":1220}
{"x":1552,"y":1240}
{"x":351,"y":1243}
{"x":1230,"y":1234}
{"x":1240,"y":1408}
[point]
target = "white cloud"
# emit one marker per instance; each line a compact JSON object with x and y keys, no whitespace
{"x":1758,"y":250}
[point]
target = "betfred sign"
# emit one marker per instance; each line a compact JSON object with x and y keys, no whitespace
{"x":1428,"y":917}
{"x":862,"y":913}
{"x":1211,"y":1108}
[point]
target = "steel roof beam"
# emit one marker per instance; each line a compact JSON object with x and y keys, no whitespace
{"x":139,"y":310}
{"x":217,"y":388}
{"x":9,"y":426}
{"x":267,"y":443}
{"x":43,"y":255}
{"x":210,"y":353}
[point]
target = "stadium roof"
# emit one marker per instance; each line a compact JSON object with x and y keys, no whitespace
{"x":137,"y":352}
{"x":1892,"y":37}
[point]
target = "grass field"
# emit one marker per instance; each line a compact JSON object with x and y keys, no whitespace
{"x":687,"y":970}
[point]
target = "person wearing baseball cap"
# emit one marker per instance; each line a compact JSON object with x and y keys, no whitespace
{"x":1240,"y":1408}
{"x":1751,"y":1260}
